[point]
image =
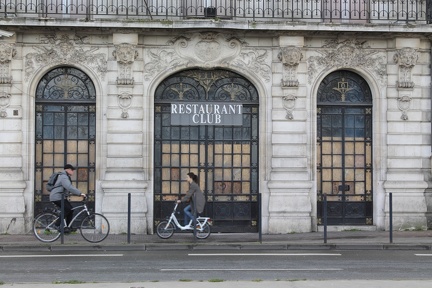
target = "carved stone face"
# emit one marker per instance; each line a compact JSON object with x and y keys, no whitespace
{"x":6,"y":53}
{"x":406,"y":57}
{"x":125,"y":54}
{"x":290,"y":56}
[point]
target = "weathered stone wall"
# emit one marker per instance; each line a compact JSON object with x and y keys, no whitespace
{"x":126,"y":68}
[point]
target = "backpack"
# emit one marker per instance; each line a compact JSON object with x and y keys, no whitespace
{"x":52,"y":181}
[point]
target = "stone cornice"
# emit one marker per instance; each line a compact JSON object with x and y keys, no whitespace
{"x":275,"y":26}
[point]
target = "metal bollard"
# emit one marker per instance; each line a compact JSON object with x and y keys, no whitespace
{"x":259,"y":218}
{"x":325,"y":217}
{"x":62,"y":219}
{"x":129,"y":219}
{"x":391,"y":216}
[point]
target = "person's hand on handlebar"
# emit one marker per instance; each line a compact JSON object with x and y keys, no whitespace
{"x":84,"y":196}
{"x":178,"y":201}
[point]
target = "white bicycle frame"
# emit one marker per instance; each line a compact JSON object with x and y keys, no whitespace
{"x":84,"y":210}
{"x":200,"y":221}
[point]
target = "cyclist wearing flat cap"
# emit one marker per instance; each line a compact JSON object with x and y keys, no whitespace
{"x":64,"y":185}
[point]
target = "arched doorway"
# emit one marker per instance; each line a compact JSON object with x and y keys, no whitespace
{"x":206,"y":122}
{"x":65,"y":131}
{"x":344,"y":149}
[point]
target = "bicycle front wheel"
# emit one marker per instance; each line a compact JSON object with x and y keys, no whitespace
{"x":165,"y":230}
{"x":95,"y":228}
{"x":204,"y":232}
{"x":44,"y":227}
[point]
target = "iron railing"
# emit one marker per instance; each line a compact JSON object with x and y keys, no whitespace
{"x":352,"y":11}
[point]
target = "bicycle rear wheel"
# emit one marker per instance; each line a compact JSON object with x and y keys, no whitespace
{"x":204,"y":232}
{"x":95,"y":228}
{"x":165,"y":230}
{"x":44,"y":227}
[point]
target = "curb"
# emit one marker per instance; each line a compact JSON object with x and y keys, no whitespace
{"x":214,"y":247}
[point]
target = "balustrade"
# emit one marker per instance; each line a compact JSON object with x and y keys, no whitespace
{"x":351,"y":11}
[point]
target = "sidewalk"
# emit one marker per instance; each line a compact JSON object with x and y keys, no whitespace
{"x":344,"y":240}
{"x":241,"y":284}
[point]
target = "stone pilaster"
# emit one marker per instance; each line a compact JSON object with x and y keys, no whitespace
{"x":124,"y":142}
{"x":289,"y":186}
{"x":12,"y":184}
{"x":405,"y":178}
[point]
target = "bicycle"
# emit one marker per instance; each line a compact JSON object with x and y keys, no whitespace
{"x":94,"y":227}
{"x":165,"y":229}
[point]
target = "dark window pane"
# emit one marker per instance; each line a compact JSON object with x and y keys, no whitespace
{"x":48,"y":132}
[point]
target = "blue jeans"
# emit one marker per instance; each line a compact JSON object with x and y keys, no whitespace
{"x":188,"y":214}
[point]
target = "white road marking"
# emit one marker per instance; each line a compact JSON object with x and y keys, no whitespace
{"x":67,"y":255}
{"x":423,"y":255}
{"x":255,"y":269}
{"x":265,"y":254}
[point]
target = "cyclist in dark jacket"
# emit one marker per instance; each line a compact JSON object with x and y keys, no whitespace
{"x":196,"y":198}
{"x":64,"y":185}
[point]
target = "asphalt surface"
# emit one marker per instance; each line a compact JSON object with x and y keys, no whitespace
{"x":239,"y":284}
{"x":343,"y":240}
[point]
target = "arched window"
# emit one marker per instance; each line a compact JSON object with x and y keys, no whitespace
{"x":223,"y":154}
{"x":65,"y":130}
{"x":344,"y":158}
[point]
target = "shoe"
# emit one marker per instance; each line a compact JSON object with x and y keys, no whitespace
{"x":67,"y":230}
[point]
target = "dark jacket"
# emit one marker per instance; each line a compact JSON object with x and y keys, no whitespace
{"x":63,"y":185}
{"x":197,"y":196}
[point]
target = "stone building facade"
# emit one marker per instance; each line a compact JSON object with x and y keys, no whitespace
{"x":305,"y":77}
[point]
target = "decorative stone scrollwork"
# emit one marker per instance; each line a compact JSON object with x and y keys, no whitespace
{"x":407,"y":59}
{"x":7,"y":52}
{"x":125,"y":55}
{"x":124,"y":101}
{"x":288,"y":103}
{"x":348,"y":54}
{"x":207,"y":48}
{"x":160,"y":59}
{"x":63,"y":50}
{"x":290,"y":58}
{"x":4,"y":103}
{"x":255,"y":61}
{"x":404,"y":104}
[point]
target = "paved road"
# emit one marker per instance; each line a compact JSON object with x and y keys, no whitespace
{"x":224,"y":265}
{"x":241,"y":284}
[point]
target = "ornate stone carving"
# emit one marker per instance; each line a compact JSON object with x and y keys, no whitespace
{"x":288,"y":103}
{"x":125,"y":55}
{"x":4,"y":103}
{"x":290,"y":58}
{"x":207,"y":48}
{"x":124,"y":101}
{"x":7,"y":52}
{"x":254,"y":61}
{"x":161,"y":59}
{"x":64,"y":49}
{"x":404,"y":103}
{"x":195,"y":51}
{"x":348,"y":54}
{"x":407,"y":59}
